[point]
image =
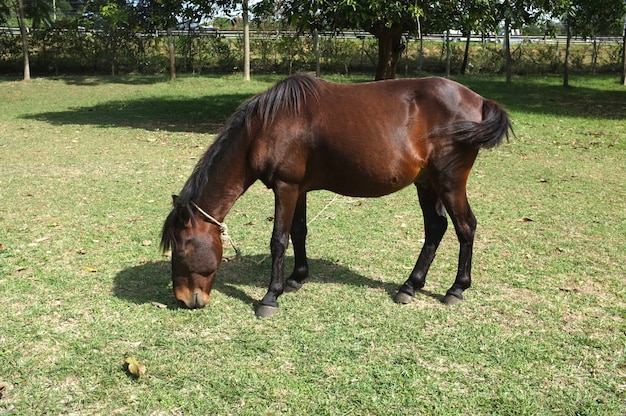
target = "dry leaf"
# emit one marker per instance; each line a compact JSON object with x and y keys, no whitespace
{"x":1,"y":247}
{"x":146,"y":243}
{"x":526,"y":219}
{"x":134,"y":368}
{"x":90,"y":269}
{"x":159,"y":305}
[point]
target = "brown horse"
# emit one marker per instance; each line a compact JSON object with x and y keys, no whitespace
{"x":364,"y":140}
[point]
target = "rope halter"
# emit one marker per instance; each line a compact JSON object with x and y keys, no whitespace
{"x":223,"y":228}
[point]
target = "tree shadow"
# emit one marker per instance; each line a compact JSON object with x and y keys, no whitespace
{"x":546,"y":96}
{"x":92,"y":81}
{"x":174,"y":114}
{"x":208,"y":113}
{"x":151,"y":281}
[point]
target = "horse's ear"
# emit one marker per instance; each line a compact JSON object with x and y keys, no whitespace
{"x":182,"y":210}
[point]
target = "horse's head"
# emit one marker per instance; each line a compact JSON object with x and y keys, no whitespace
{"x":196,"y":245}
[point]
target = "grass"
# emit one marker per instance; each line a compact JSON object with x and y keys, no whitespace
{"x":86,"y":169}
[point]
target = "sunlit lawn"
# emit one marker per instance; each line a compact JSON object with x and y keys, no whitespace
{"x":87,"y":167}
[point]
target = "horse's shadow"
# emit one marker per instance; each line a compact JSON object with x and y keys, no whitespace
{"x":151,"y":282}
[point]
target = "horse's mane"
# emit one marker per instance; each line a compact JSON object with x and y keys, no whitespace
{"x":285,"y":98}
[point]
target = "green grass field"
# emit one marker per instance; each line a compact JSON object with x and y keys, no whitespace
{"x":87,"y":167}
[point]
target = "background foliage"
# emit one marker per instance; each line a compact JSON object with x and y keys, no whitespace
{"x":72,"y":50}
{"x":117,"y":36}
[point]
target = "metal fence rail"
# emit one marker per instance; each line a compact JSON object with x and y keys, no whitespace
{"x":350,"y":34}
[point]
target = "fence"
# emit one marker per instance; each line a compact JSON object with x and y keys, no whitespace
{"x":74,"y":50}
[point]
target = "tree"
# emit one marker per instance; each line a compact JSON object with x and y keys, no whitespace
{"x":568,"y":44}
{"x":467,"y":16}
{"x":38,"y":11}
{"x":115,"y":21}
{"x":593,"y":18}
{"x":624,"y":54}
{"x":387,"y":23}
{"x":21,"y":15}
{"x":518,"y":13}
{"x":474,"y":16}
{"x":166,"y":15}
{"x":587,"y":18}
{"x":387,"y":20}
{"x":246,"y":41}
{"x":162,"y":14}
{"x":440,"y":17}
{"x":228,"y":7}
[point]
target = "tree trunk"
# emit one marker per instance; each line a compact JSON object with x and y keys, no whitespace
{"x":421,"y":53}
{"x":466,"y":54}
{"x":246,"y":42}
{"x":624,"y":55}
{"x":507,"y":50}
{"x":20,"y":14}
{"x":112,"y":47}
{"x":316,"y":46}
{"x":172,"y":53}
{"x":594,"y":55}
{"x":567,"y":51}
{"x":390,"y":49}
{"x":406,"y":58}
{"x":448,"y":54}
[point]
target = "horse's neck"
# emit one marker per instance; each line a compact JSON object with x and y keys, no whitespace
{"x":230,"y":178}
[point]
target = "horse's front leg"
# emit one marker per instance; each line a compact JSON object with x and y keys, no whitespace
{"x":285,"y":199}
{"x":298,"y":238}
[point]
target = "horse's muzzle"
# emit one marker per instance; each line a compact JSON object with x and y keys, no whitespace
{"x":196,"y":300}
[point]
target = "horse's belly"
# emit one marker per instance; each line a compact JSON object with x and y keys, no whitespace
{"x":368,"y":159}
{"x":372,"y":182}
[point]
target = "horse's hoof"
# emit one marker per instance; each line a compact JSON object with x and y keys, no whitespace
{"x":403,"y":298}
{"x":266,"y":311}
{"x":451,"y":300}
{"x":292,"y":286}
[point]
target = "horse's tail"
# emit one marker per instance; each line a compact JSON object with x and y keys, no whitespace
{"x":490,"y":132}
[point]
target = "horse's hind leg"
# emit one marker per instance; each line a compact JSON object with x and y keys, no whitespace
{"x":453,"y":195}
{"x":455,"y":200}
{"x":435,"y":225}
{"x":298,"y":238}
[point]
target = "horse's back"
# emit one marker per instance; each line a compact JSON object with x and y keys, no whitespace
{"x":422,"y":104}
